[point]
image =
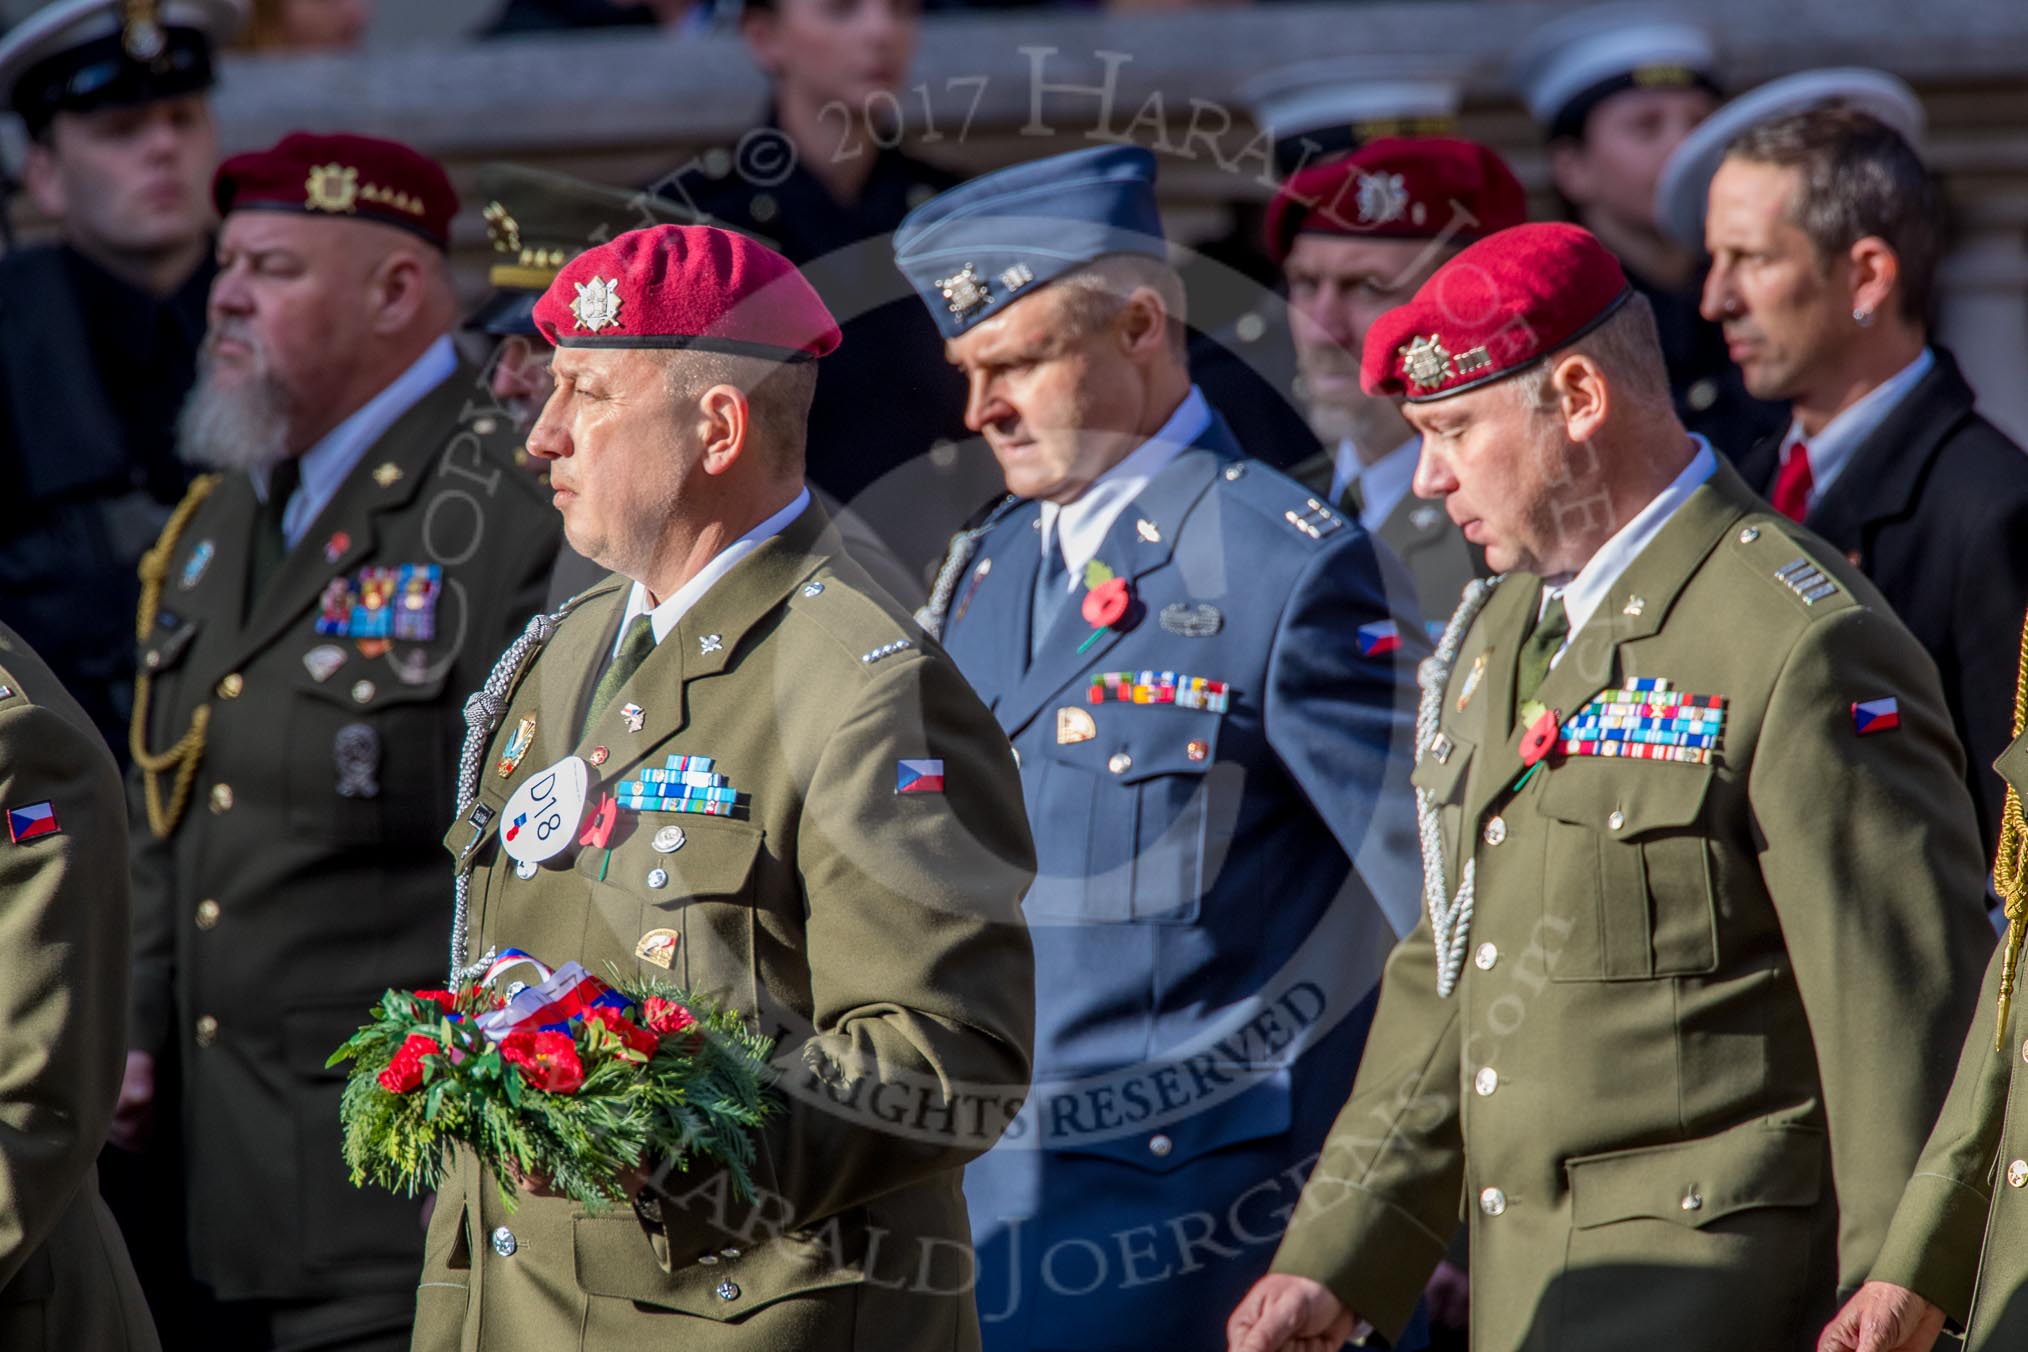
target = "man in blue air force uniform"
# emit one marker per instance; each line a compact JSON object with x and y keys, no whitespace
{"x":1207,"y":689}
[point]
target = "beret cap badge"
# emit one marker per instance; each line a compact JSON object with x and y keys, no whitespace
{"x":332,"y":187}
{"x":141,"y":33}
{"x":1382,"y":198}
{"x":964,"y":291}
{"x":1426,"y":362}
{"x":597,"y":305}
{"x":502,"y":228}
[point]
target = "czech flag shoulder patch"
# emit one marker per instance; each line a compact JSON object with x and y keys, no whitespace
{"x":1379,"y":638}
{"x":1875,"y":715}
{"x":919,"y":776}
{"x":32,"y":822}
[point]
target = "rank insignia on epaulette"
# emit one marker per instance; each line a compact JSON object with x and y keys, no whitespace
{"x":1315,"y":521}
{"x":1806,"y":580}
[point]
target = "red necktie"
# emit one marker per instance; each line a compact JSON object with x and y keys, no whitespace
{"x":1792,"y":485}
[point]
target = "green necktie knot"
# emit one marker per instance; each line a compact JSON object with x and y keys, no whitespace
{"x":1541,"y":645}
{"x":634,"y":649}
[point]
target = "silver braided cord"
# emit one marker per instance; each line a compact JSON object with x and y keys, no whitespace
{"x":957,"y":558}
{"x":1450,"y":917}
{"x":483,"y":712}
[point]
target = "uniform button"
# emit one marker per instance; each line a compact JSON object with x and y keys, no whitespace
{"x":1703,"y":394}
{"x":363,"y":692}
{"x":728,"y":1254}
{"x":1749,"y":535}
{"x":1159,"y":1146}
{"x":1496,"y":830}
{"x":1616,"y":819}
{"x":2024,"y":1051}
{"x":1486,"y":1081}
{"x":658,"y":878}
{"x":1197,"y":751}
{"x":231,"y":686}
{"x":2017,"y":1173}
{"x":1692,"y":1200}
{"x":221,"y":797}
{"x":504,"y":1242}
{"x":207,"y":914}
{"x":727,"y":1291}
{"x":207,"y":1030}
{"x":152,"y":660}
{"x":1485,"y":957}
{"x":1120,"y":763}
{"x":1492,"y":1201}
{"x":707,"y":1260}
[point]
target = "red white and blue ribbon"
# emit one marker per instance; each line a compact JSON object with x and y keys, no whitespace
{"x":567,"y":995}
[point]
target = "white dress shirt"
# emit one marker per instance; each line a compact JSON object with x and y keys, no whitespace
{"x":1831,"y":449}
{"x":663,"y":618}
{"x":1588,"y":588}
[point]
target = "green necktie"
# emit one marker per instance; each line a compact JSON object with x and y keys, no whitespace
{"x":270,"y":545}
{"x":634,"y":650}
{"x":1541,"y":644}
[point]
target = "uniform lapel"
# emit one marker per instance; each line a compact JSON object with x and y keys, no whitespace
{"x":1881,"y":478}
{"x":1131,"y":553}
{"x":708,"y":638}
{"x":1412,"y":526}
{"x":1634,"y":609}
{"x":369,"y":492}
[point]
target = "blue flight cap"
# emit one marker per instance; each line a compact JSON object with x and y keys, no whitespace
{"x":970,"y":251}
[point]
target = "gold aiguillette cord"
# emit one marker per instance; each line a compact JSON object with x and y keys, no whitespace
{"x":2010,"y":864}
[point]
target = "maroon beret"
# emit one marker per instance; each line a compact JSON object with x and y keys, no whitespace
{"x":339,"y":174}
{"x":1497,"y":308}
{"x":687,"y":286}
{"x":1399,"y":187}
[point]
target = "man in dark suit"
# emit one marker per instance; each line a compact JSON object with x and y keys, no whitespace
{"x":1822,"y":227}
{"x":1195,"y":661}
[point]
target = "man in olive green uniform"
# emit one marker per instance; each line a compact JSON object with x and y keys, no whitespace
{"x":1354,"y":237}
{"x":739,"y":767}
{"x":312,"y":621}
{"x":1673,"y":1027}
{"x":1958,"y":1247}
{"x":65,"y":1281}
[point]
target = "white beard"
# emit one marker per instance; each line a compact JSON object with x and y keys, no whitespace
{"x":244,"y":426}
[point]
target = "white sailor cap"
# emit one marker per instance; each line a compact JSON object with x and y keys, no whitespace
{"x":1569,"y":66}
{"x":76,"y":55}
{"x":1317,"y":109}
{"x":1686,"y":176}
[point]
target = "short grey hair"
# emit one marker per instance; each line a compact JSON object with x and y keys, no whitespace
{"x":1094,"y":294}
{"x":1627,"y":347}
{"x":778,"y":396}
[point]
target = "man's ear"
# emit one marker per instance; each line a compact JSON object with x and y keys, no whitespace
{"x":43,"y":178}
{"x":1876,"y":273}
{"x":726,"y":417}
{"x":1142,"y":323}
{"x":1583,"y":397}
{"x":396,"y":292}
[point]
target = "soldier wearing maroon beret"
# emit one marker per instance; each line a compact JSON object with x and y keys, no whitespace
{"x":311,"y":622}
{"x":1354,"y":237}
{"x":1701,"y":872}
{"x":858,"y":900}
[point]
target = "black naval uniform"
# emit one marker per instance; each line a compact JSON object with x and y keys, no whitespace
{"x":1710,"y":395}
{"x":886,"y":396}
{"x":93,"y":372}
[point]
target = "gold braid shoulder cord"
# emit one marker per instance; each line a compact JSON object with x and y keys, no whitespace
{"x":188,"y":750}
{"x":2010,"y":865}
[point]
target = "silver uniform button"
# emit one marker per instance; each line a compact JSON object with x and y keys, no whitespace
{"x":1617,"y":819}
{"x":727,"y":1291}
{"x":1159,"y":1146}
{"x":1485,"y":957}
{"x":1693,"y":1200}
{"x":1496,"y":830}
{"x":1486,"y":1081}
{"x":363,"y":692}
{"x":1120,"y":763}
{"x":504,"y":1242}
{"x":1749,"y":535}
{"x":658,"y":878}
{"x":2017,"y":1174}
{"x":525,"y":869}
{"x":1492,"y":1201}
{"x":2024,"y":1051}
{"x":669,"y":839}
{"x":728,"y":1253}
{"x":707,"y":1260}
